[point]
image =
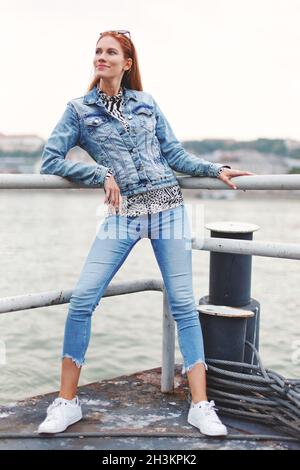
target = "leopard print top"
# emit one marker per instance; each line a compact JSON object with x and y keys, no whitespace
{"x":151,"y":201}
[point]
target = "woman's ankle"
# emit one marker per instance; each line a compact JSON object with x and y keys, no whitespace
{"x":199,"y":398}
{"x":66,"y":396}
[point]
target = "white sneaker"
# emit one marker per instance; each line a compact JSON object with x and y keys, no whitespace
{"x":203,"y":416}
{"x":61,"y":414}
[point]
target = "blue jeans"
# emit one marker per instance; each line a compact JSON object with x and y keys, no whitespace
{"x":170,"y":235}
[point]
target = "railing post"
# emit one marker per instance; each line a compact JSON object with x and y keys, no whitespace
{"x":168,"y":347}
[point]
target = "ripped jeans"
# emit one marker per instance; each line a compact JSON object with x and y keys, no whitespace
{"x":170,"y":235}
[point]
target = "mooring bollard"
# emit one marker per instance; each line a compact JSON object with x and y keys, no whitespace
{"x":225,"y":331}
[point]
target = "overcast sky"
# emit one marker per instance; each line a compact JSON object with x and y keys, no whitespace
{"x":217,"y":68}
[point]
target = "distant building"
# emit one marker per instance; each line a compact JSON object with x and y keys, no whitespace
{"x":22,"y":153}
{"x":20,"y":143}
{"x":19,"y":153}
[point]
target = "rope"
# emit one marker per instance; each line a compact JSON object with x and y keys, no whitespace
{"x":262,"y":395}
{"x":242,"y":437}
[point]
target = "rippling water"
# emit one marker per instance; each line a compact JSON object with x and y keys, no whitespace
{"x":45,"y":237}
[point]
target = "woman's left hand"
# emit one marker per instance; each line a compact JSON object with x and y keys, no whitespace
{"x":229,"y":173}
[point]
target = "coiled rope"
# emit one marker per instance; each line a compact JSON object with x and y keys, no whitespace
{"x":255,"y":393}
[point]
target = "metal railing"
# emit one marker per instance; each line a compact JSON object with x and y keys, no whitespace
{"x":271,"y":249}
{"x":263,"y":182}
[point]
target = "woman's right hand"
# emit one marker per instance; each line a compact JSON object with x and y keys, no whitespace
{"x":112,"y":193}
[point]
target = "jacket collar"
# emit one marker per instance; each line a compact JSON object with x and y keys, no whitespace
{"x":92,"y":96}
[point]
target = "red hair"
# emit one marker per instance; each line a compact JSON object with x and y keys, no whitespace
{"x":131,"y":78}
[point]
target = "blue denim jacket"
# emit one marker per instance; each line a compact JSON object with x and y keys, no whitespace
{"x":142,"y":159}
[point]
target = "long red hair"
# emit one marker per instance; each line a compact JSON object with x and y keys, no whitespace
{"x":131,"y":78}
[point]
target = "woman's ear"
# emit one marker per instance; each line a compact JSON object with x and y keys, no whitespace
{"x":129,"y":64}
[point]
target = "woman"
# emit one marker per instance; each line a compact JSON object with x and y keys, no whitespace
{"x":135,"y":149}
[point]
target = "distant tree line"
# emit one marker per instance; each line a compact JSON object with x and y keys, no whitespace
{"x":22,"y":153}
{"x":275,"y":146}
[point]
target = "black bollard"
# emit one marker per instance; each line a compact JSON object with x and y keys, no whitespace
{"x":224,"y":333}
{"x":230,"y":285}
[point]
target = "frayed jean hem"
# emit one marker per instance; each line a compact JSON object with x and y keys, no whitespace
{"x":78,"y":363}
{"x":187,"y":369}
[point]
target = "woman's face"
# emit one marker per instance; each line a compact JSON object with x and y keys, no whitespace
{"x":109,"y":60}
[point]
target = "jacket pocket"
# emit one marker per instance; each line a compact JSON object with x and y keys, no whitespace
{"x":97,"y":127}
{"x":146,"y":117}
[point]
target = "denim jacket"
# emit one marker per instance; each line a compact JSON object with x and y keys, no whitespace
{"x":142,"y":159}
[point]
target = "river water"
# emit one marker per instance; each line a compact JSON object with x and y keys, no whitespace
{"x":45,"y":237}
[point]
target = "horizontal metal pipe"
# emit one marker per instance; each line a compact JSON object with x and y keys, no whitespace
{"x":38,"y":181}
{"x":242,"y":182}
{"x":46,"y":299}
{"x":248,"y":247}
{"x":223,"y":245}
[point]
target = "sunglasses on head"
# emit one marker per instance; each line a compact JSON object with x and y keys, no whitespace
{"x":118,"y":31}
